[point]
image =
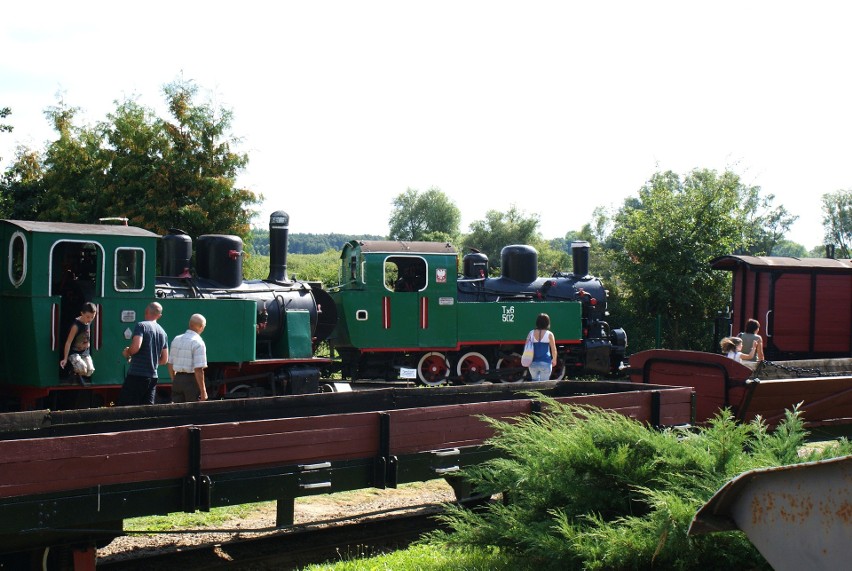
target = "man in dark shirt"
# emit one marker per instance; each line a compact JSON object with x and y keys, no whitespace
{"x":148,"y":349}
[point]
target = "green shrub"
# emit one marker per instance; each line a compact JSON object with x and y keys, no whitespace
{"x":592,"y":489}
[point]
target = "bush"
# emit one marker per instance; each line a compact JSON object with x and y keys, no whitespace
{"x":592,"y":489}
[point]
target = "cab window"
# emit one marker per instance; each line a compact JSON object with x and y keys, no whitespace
{"x":129,"y":269}
{"x":405,"y":274}
{"x":17,"y":259}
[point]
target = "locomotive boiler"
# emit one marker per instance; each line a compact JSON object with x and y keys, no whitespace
{"x":219,"y":275}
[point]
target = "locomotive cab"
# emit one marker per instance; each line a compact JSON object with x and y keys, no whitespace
{"x":52,"y":269}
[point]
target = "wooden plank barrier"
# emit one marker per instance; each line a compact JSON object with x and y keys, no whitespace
{"x":38,"y":466}
{"x":302,"y":440}
{"x":453,"y":426}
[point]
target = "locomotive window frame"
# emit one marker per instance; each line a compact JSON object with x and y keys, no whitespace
{"x":18,"y":258}
{"x":99,"y":282}
{"x":393,"y":268}
{"x":120,"y":282}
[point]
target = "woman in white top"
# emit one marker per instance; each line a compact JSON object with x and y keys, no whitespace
{"x":732,"y":347}
{"x":544,"y":345}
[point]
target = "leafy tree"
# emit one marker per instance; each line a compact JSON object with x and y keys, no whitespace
{"x":73,"y":174}
{"x":665,"y":237}
{"x":500,"y":229}
{"x":790,"y":249}
{"x":159,"y":173}
{"x":766,"y":226}
{"x":429,"y":216}
{"x":818,"y":252}
{"x":837,"y":221}
{"x":203,"y":168}
{"x":5,"y":112}
{"x":22,"y":187}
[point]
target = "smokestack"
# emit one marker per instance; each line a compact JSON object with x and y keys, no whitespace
{"x":279,"y":229}
{"x":580,"y":254}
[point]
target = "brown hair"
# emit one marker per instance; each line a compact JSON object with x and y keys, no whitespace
{"x":730,"y":344}
{"x":752,"y":325}
{"x":542,"y":321}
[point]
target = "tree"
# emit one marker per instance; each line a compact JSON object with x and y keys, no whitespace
{"x":5,"y":112}
{"x":666,"y":238}
{"x":766,"y":226}
{"x":429,"y":216}
{"x":4,"y":200}
{"x":160,"y":173}
{"x":500,"y":229}
{"x":790,"y":249}
{"x":22,"y":187}
{"x":837,"y":221}
{"x":72,"y":184}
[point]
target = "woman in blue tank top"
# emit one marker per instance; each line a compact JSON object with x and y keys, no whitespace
{"x":544,"y":346}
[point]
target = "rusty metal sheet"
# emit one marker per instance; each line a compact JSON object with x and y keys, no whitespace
{"x":798,"y":516}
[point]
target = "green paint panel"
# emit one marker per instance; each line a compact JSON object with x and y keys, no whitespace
{"x":230,"y":331}
{"x":499,"y":321}
{"x":296,"y":341}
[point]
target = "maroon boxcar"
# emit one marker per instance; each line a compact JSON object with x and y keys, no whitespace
{"x":804,"y":305}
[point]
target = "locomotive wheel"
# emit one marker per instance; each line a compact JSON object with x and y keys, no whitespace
{"x":512,"y":361}
{"x":239,"y":391}
{"x":433,"y":369}
{"x":472,"y":368}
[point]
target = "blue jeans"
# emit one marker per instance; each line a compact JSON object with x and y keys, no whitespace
{"x":540,"y":371}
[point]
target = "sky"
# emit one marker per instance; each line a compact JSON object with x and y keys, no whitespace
{"x":555,"y":107}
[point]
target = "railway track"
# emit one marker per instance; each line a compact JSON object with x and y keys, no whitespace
{"x":293,"y":548}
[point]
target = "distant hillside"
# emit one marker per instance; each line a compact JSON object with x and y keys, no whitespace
{"x":305,"y":243}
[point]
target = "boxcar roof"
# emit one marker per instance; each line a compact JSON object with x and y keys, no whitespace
{"x":397,"y":247}
{"x":780,"y":263}
{"x":70,"y":228}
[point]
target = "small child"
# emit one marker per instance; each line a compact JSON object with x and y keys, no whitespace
{"x":732,"y":347}
{"x":77,"y":345}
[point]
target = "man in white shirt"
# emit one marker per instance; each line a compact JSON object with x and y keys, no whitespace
{"x":187,"y":361}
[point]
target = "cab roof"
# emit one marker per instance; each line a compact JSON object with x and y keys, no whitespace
{"x":401,"y":247}
{"x":780,"y":263}
{"x":71,"y":228}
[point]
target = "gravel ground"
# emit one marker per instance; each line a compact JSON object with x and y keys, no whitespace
{"x":308,"y":510}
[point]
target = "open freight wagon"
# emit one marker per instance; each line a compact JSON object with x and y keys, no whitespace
{"x":69,"y":479}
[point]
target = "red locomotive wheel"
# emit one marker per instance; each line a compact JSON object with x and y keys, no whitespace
{"x":472,"y":367}
{"x":433,"y":369}
{"x":512,"y":361}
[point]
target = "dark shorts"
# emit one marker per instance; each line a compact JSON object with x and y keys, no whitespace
{"x":137,"y":390}
{"x":185,"y":388}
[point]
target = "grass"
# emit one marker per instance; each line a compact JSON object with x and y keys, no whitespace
{"x":221,"y":516}
{"x":423,"y":557}
{"x":181,"y":520}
